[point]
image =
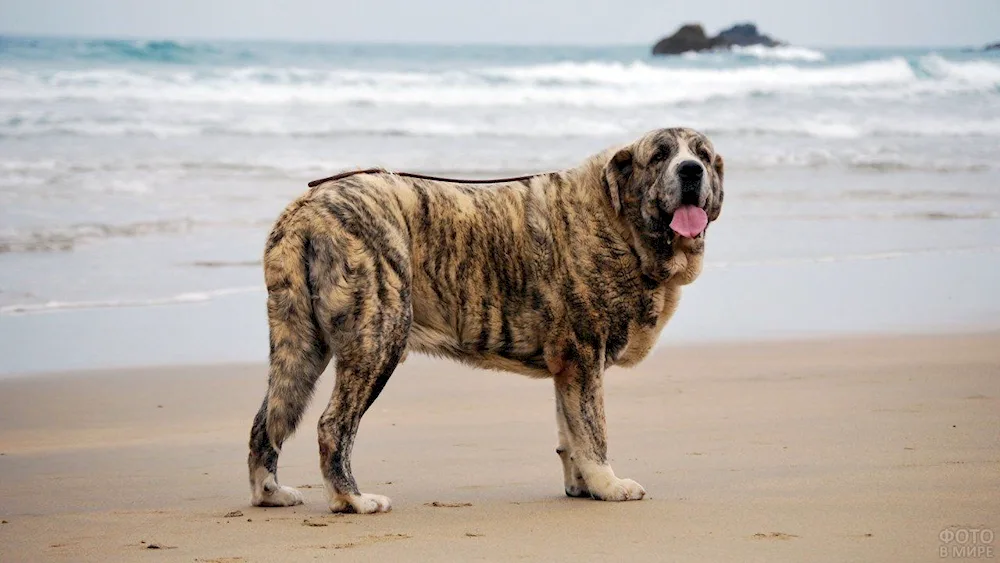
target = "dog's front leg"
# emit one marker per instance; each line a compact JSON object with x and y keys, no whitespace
{"x":573,"y":482}
{"x":580,"y":403}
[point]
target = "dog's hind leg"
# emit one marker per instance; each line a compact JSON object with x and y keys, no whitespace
{"x":364,"y":364}
{"x":293,"y":375}
{"x":299,"y":352}
{"x":580,"y":398}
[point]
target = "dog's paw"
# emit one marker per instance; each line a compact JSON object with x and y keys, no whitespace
{"x":281,"y":496}
{"x":574,"y":485}
{"x":614,"y":489}
{"x":364,"y":503}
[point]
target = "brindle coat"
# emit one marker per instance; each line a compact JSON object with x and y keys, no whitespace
{"x":560,"y":275}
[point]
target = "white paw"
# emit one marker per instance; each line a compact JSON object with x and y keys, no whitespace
{"x":283,"y":496}
{"x":615,"y":489}
{"x":577,"y":490}
{"x":364,"y":503}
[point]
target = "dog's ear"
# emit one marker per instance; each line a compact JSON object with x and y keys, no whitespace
{"x":617,"y":172}
{"x":719,"y":166}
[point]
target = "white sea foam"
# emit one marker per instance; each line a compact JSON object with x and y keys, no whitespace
{"x":537,"y":126}
{"x":484,"y":123}
{"x":781,"y":53}
{"x":975,"y":72}
{"x":819,"y":157}
{"x":574,"y":84}
{"x":840,"y":126}
{"x":179,"y":299}
{"x":65,"y":238}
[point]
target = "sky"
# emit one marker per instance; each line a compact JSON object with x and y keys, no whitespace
{"x":804,"y":22}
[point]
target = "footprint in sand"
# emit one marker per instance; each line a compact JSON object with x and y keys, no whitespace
{"x":367,"y":540}
{"x":774,"y":536}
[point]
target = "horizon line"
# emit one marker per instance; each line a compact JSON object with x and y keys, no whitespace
{"x":432,"y":43}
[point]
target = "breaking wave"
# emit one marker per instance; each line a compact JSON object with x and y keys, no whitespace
{"x":178,"y":299}
{"x":780,"y":53}
{"x":63,"y":239}
{"x":571,"y":84}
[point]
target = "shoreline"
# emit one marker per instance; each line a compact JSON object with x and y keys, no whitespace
{"x":857,"y":337}
{"x":827,"y":449}
{"x":926,"y":293}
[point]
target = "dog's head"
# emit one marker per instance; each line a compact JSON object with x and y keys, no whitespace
{"x":668,"y":183}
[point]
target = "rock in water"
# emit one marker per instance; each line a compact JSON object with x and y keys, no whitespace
{"x":744,"y":34}
{"x":692,"y":37}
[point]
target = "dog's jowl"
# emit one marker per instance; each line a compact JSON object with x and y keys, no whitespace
{"x":559,"y":275}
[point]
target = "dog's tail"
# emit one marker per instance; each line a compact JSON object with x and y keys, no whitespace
{"x":299,"y":347}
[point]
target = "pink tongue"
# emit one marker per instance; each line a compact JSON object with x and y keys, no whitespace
{"x":689,"y":221}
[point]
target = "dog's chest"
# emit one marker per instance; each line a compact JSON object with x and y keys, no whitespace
{"x":644,"y":331}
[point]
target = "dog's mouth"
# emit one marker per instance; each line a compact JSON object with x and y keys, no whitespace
{"x":689,"y":221}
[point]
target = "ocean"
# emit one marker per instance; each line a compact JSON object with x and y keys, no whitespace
{"x":138,"y":178}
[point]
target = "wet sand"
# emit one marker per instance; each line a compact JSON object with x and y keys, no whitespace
{"x":834,"y":450}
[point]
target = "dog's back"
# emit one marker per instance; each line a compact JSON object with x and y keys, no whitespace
{"x":484,"y":267}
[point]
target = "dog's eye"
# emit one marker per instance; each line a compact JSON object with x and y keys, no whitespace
{"x":704,"y":154}
{"x":659,"y":156}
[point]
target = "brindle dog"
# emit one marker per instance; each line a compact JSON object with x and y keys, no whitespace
{"x":559,"y":275}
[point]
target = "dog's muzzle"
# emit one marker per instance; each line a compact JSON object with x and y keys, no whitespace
{"x":691,"y":174}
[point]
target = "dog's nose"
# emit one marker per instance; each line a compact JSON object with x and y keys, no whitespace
{"x":690,"y":171}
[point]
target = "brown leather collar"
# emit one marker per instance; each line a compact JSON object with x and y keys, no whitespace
{"x":315,"y":183}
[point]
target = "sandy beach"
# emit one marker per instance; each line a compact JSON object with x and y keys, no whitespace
{"x":835,"y":450}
